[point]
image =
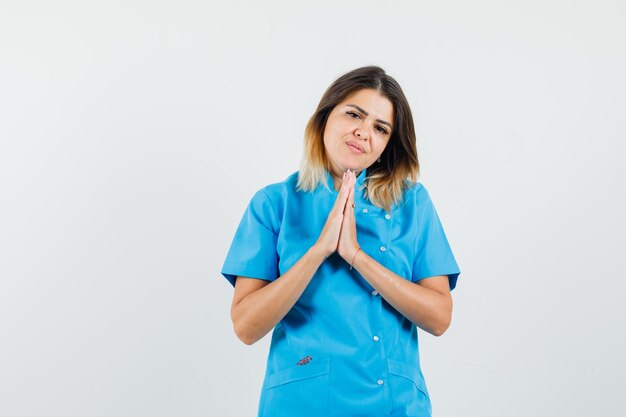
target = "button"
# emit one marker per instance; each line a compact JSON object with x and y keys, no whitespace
{"x":379,"y":382}
{"x":387,"y":216}
{"x":374,"y":292}
{"x":382,"y":248}
{"x":375,"y":338}
{"x":365,"y":210}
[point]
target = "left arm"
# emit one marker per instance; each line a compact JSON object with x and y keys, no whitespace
{"x":427,"y":303}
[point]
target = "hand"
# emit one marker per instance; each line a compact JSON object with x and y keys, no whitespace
{"x":328,"y":240}
{"x":348,"y":244}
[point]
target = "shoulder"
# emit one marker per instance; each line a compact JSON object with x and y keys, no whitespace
{"x":275,"y":195}
{"x":280,"y":189}
{"x":417,"y":193}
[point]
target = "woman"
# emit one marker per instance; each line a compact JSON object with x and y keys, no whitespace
{"x":343,"y":260}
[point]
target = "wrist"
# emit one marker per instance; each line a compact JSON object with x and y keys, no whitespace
{"x":319,"y":253}
{"x":353,"y":258}
{"x":347,"y":254}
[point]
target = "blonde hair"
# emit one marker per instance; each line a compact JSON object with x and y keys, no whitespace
{"x":398,"y":168}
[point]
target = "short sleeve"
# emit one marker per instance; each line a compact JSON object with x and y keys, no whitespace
{"x":253,"y":251}
{"x":433,"y":255}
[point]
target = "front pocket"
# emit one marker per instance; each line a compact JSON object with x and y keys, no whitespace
{"x":408,"y":390}
{"x":301,"y":390}
{"x":296,"y":373}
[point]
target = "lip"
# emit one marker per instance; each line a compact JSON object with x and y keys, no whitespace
{"x":355,"y":147}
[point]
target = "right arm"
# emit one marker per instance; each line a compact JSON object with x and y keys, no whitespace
{"x":258,"y":305}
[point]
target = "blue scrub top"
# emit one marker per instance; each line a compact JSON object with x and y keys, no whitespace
{"x":341,"y":350}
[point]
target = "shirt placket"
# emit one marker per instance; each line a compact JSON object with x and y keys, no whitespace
{"x":379,"y":372}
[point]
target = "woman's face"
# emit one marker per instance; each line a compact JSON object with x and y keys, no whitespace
{"x":357,"y":131}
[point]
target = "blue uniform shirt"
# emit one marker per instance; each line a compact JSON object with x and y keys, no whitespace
{"x":341,"y":350}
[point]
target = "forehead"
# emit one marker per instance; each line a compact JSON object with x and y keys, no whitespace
{"x":380,"y":107}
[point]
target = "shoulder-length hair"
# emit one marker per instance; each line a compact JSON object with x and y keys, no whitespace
{"x":398,"y":168}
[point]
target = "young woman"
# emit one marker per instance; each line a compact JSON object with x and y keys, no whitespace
{"x":344,"y":259}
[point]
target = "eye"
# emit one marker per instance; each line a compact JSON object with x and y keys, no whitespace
{"x":353,"y":114}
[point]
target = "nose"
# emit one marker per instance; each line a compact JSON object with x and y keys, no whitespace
{"x":362,"y":132}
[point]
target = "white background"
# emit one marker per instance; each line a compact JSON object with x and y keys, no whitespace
{"x":134,"y":133}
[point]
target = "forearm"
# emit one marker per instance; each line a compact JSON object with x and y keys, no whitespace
{"x":427,"y":308}
{"x":259,"y":312}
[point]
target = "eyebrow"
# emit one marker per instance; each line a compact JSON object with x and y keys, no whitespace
{"x":366,"y":113}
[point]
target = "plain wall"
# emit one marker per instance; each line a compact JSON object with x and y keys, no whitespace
{"x":134,"y":133}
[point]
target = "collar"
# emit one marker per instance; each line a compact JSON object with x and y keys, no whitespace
{"x":358,"y":187}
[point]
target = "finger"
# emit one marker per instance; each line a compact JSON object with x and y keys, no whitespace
{"x":351,"y":195}
{"x":344,"y":181}
{"x":344,"y":189}
{"x":349,"y":209}
{"x":342,"y":198}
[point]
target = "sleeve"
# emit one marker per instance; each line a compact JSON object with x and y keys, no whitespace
{"x":253,"y":251}
{"x":433,"y":255}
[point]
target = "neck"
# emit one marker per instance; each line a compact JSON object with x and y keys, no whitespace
{"x":338,"y":179}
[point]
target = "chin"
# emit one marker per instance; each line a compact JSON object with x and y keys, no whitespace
{"x":349,"y":163}
{"x":354,"y":167}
